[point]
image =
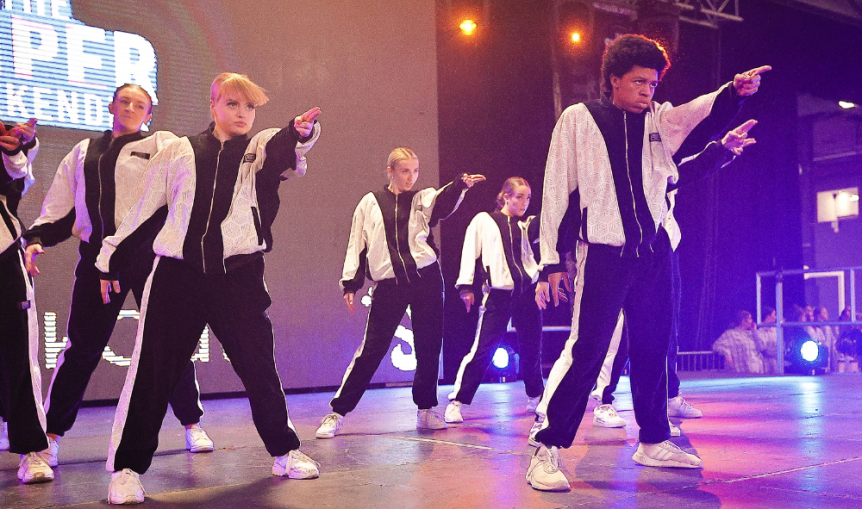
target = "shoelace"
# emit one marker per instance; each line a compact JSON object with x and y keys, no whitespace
{"x":330,"y":420}
{"x":299,"y":455}
{"x":553,"y":464}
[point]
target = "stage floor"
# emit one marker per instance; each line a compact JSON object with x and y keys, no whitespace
{"x":766,"y":443}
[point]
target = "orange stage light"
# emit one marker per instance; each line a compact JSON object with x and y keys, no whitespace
{"x":468,"y":26}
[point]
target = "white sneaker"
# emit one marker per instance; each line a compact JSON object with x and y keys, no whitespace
{"x":606,"y":416}
{"x":125,"y":488}
{"x":533,"y":404}
{"x":52,"y":453}
{"x":329,"y":426}
{"x":453,"y":412}
{"x":679,"y":407}
{"x":537,"y":425}
{"x":674,"y":429}
{"x":296,"y":465}
{"x":429,"y":419}
{"x":197,"y":440}
{"x":544,"y":473}
{"x":4,"y":437}
{"x":34,"y":469}
{"x":665,"y":454}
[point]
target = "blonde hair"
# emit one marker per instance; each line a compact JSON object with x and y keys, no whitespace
{"x":399,"y":154}
{"x":508,"y":188}
{"x":239,"y":84}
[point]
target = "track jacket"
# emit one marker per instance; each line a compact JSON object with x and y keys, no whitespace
{"x":15,"y":179}
{"x":221,"y":199}
{"x":389,"y":227}
{"x":95,"y":186}
{"x":498,"y":248}
{"x":613,"y":168}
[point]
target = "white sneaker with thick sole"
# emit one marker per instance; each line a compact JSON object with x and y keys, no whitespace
{"x":126,"y":488}
{"x":329,"y":426}
{"x":679,"y":407}
{"x":429,"y":419}
{"x":544,"y":473}
{"x":606,"y":416}
{"x":52,"y":453}
{"x":197,"y":440}
{"x":34,"y":469}
{"x":296,"y":465}
{"x":665,"y":454}
{"x":4,"y":437}
{"x":537,"y":425}
{"x":533,"y":404}
{"x":452,"y":414}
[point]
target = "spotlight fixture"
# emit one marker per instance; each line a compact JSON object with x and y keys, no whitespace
{"x":505,"y":365}
{"x":846,"y":105}
{"x":468,"y":27}
{"x":803,"y":354}
{"x":501,"y":358}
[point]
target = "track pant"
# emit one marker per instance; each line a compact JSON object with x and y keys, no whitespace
{"x":389,"y":302}
{"x":498,"y":306}
{"x":618,"y":356}
{"x":91,"y":323}
{"x":20,"y":377}
{"x":178,"y":301}
{"x":608,"y":283}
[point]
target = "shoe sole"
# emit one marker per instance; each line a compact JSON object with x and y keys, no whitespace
{"x":201,"y":449}
{"x":126,"y":501}
{"x":685,"y":416}
{"x":453,"y":421}
{"x":547,"y":487}
{"x":646,"y":461}
{"x":325,"y":435}
{"x":605,"y":424}
{"x":432,"y":429}
{"x":38,"y":479}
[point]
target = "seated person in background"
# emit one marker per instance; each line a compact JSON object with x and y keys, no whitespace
{"x":738,"y":345}
{"x":827,"y":334}
{"x":767,"y":342}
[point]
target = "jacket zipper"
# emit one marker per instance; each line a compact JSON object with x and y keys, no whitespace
{"x":99,"y":173}
{"x":631,"y":187}
{"x":212,"y":204}
{"x":398,"y":242}
{"x":512,"y":249}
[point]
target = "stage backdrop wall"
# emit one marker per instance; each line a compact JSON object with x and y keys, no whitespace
{"x":370,"y":66}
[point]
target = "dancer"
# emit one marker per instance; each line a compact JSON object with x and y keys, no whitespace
{"x":498,"y":247}
{"x":20,"y":378}
{"x":94,"y":188}
{"x":218,"y":187}
{"x":391,"y":238}
{"x":614,"y":156}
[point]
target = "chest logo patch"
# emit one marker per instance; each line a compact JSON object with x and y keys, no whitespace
{"x":654,"y":137}
{"x":142,"y":155}
{"x":249,"y":158}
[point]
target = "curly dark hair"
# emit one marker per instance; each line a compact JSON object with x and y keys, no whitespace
{"x":628,"y":51}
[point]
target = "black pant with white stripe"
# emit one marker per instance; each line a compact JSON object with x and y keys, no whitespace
{"x":389,"y":302}
{"x":178,"y":301}
{"x":498,"y":307}
{"x":20,"y":378}
{"x":608,"y":283}
{"x":90,"y":326}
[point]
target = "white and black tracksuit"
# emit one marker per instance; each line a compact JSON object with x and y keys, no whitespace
{"x":391,"y":241}
{"x":499,"y":249}
{"x":20,"y":377}
{"x":95,"y":186}
{"x":616,"y":166}
{"x":221,"y":199}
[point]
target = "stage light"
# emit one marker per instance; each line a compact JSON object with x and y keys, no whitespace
{"x":846,"y":105}
{"x":576,"y":37}
{"x":501,"y":358}
{"x":809,"y":351}
{"x":468,"y":27}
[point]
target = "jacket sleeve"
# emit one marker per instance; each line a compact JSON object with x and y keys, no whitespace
{"x":713,"y":111}
{"x":439,"y":204}
{"x":55,"y":223}
{"x":153,"y":200}
{"x":470,"y":252}
{"x":561,"y":179}
{"x":702,"y":165}
{"x":355,"y":261}
{"x":283,"y":152}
